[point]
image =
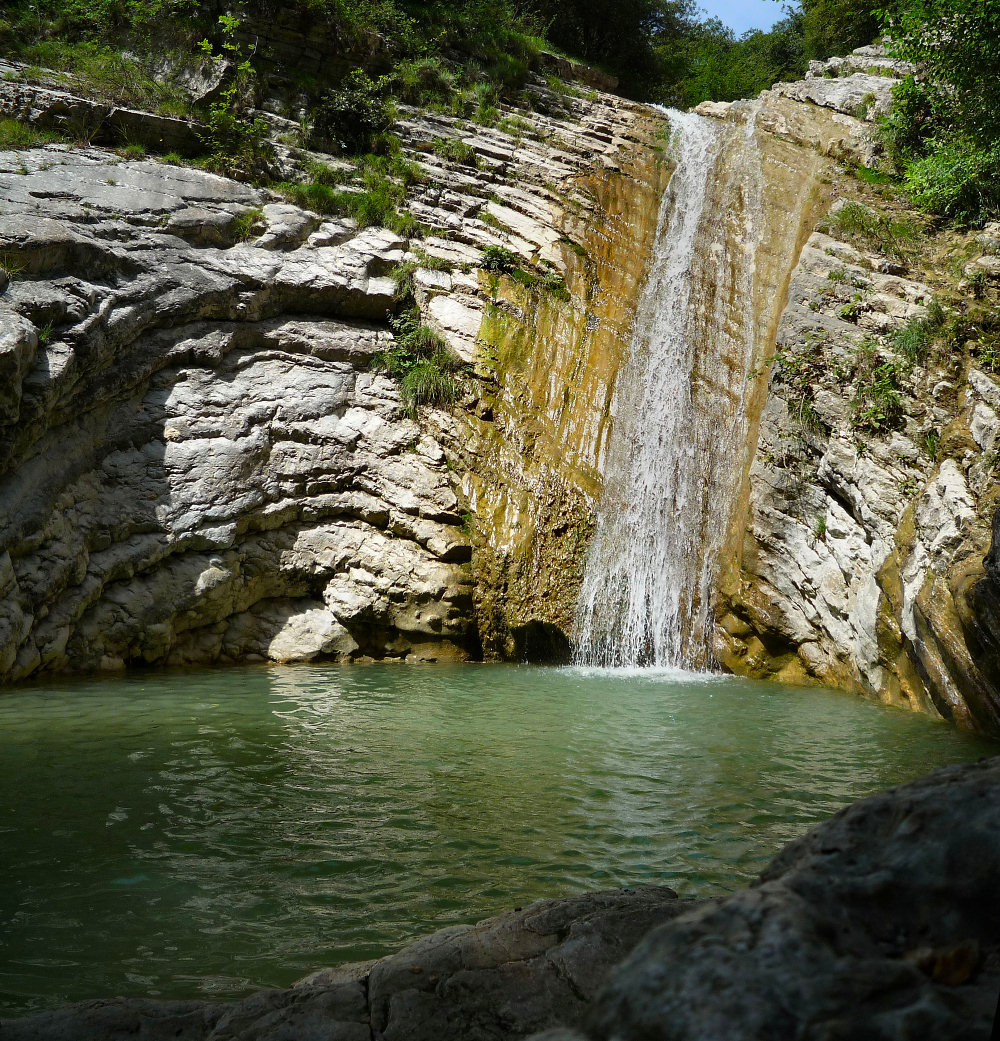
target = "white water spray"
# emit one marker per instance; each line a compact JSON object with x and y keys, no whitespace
{"x":679,"y":437}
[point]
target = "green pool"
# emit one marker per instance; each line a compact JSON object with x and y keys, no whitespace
{"x":193,"y":833}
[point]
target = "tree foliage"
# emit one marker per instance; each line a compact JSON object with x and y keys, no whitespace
{"x":957,"y":42}
{"x":943,"y":132}
{"x":720,"y":67}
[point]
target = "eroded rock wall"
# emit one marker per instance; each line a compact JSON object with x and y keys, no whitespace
{"x":859,"y":559}
{"x":198,"y":462}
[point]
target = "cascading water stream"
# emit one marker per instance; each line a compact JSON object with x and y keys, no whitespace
{"x":678,"y":442}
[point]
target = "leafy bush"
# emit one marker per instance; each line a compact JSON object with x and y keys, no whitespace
{"x":355,"y":115}
{"x":919,"y":111}
{"x":957,"y":43}
{"x":956,"y":179}
{"x":499,"y":260}
{"x":863,"y":226}
{"x":236,"y":139}
{"x":943,"y":131}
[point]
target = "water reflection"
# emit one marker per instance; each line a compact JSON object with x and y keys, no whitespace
{"x":215,"y":832}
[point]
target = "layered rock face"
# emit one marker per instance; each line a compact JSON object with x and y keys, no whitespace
{"x":198,"y":462}
{"x":859,"y":557}
{"x":881,"y":924}
{"x":198,"y":466}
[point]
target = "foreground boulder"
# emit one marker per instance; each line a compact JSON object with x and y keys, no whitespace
{"x":883,"y":923}
{"x":507,"y":977}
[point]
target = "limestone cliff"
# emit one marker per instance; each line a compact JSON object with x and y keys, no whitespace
{"x":859,"y":554}
{"x":198,"y":462}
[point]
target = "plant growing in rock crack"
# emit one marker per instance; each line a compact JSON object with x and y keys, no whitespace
{"x":246,"y":224}
{"x":915,"y":339}
{"x":850,"y":312}
{"x":499,"y":260}
{"x":877,"y":406}
{"x":857,"y":223}
{"x":421,"y":361}
{"x":237,"y":140}
{"x":456,"y":151}
{"x":402,"y":279}
{"x":11,"y":266}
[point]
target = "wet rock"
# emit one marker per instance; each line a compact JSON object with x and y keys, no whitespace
{"x":504,"y":978}
{"x":881,"y":924}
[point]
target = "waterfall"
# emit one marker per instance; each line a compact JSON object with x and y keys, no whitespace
{"x":678,"y":443}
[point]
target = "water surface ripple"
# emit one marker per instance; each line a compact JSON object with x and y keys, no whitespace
{"x":183,"y":834}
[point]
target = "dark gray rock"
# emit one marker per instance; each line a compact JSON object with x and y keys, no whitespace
{"x":506,"y":977}
{"x":883,"y":923}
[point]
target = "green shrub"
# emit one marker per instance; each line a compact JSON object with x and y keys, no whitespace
{"x":427,"y":384}
{"x":353,"y":116}
{"x":919,"y":111}
{"x":499,"y":260}
{"x":456,"y":151}
{"x":878,"y":404}
{"x":236,"y":139}
{"x":863,"y":226}
{"x":423,"y":81}
{"x":956,"y":179}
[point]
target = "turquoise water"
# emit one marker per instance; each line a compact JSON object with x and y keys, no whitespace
{"x":211,"y":833}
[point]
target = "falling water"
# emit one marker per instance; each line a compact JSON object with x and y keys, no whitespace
{"x":678,"y":444}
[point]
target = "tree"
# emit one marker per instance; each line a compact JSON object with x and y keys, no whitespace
{"x":837,"y":26}
{"x":944,"y":128}
{"x":634,"y":39}
{"x":957,"y":42}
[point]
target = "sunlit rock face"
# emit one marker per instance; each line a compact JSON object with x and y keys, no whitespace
{"x":199,"y":462}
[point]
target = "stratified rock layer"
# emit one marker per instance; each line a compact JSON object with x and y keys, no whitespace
{"x":198,"y":462}
{"x":857,"y":555}
{"x":198,"y":465}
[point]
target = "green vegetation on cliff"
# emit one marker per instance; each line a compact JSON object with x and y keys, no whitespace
{"x":471,"y":56}
{"x":944,"y":130}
